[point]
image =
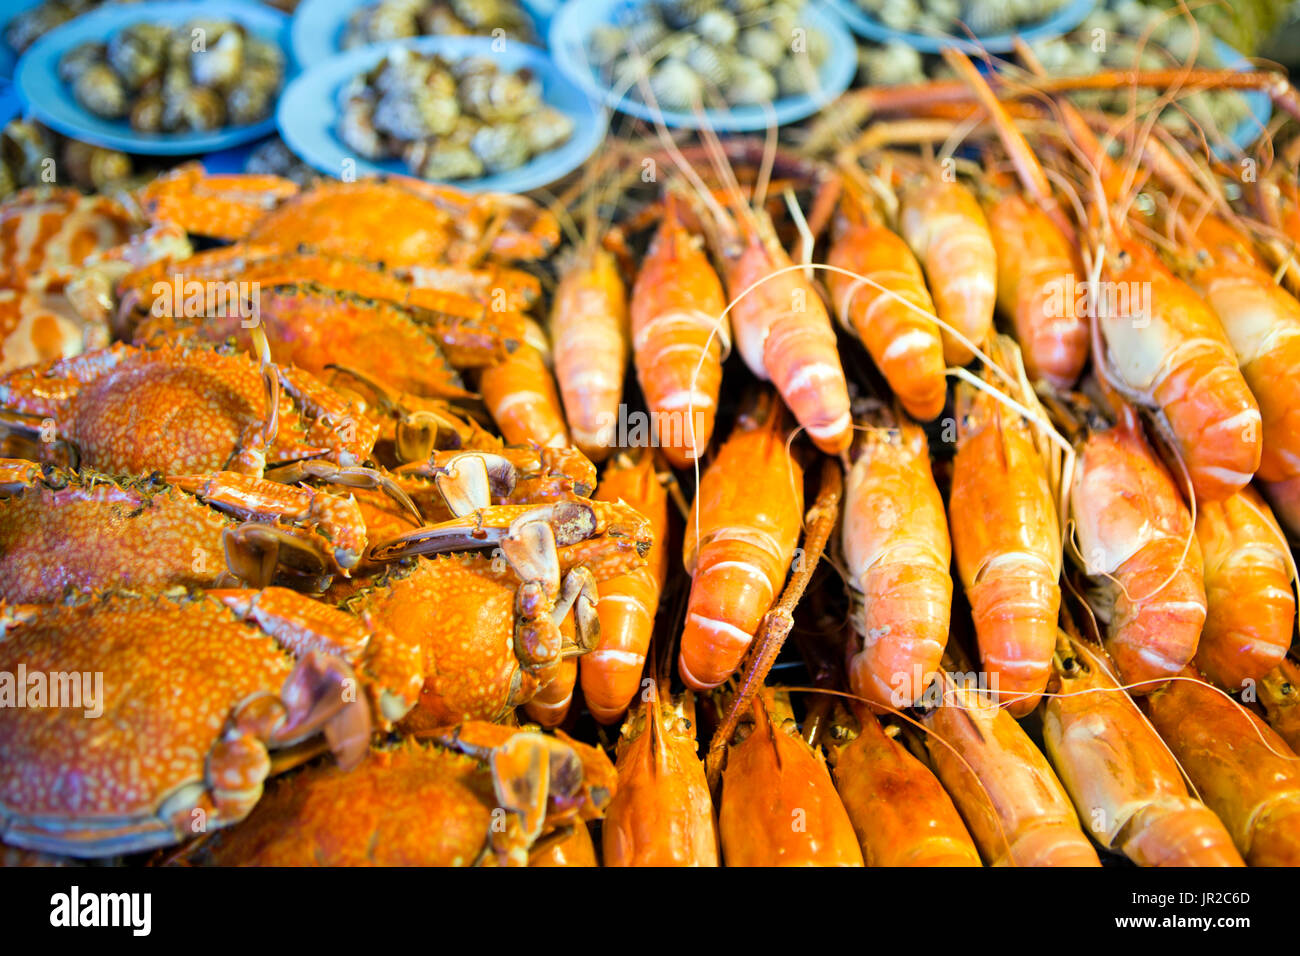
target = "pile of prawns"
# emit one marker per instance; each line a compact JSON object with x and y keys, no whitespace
{"x":1122,"y":472}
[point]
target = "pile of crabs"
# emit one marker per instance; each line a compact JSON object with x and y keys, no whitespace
{"x":264,"y":524}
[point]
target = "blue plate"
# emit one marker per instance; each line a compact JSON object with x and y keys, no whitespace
{"x":50,"y":100}
{"x":318,"y":26}
{"x":577,"y":18}
{"x":309,"y":112}
{"x":1068,"y":16}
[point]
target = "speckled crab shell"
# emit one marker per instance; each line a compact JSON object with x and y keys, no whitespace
{"x":64,"y":531}
{"x":369,"y":219}
{"x":415,"y":804}
{"x":316,"y":328}
{"x":222,"y":207}
{"x":461,"y":608}
{"x":183,"y":409}
{"x":83,"y":532}
{"x":187,"y":696}
{"x":406,"y":223}
{"x":472,"y":332}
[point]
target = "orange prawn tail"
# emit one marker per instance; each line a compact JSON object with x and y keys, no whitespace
{"x":678,"y":332}
{"x":589,"y":339}
{"x":521,"y":396}
{"x":946,"y":228}
{"x":551,"y":704}
{"x":1037,"y":285}
{"x":611,"y":673}
{"x":1160,"y":603}
{"x":748,"y":513}
{"x":1263,"y":322}
{"x":1251,"y":608}
{"x":1008,"y":548}
{"x":1195,"y":383}
{"x":901,"y":336}
{"x":785,"y":336}
{"x":895,"y":540}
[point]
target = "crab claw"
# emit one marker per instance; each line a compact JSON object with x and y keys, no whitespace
{"x":237,"y":766}
{"x":579,"y":594}
{"x":390,"y":668}
{"x":521,"y":777}
{"x":599,"y":777}
{"x":467,"y":481}
{"x":341,"y":540}
{"x":321,"y":693}
{"x":464,"y":484}
{"x":254,"y":551}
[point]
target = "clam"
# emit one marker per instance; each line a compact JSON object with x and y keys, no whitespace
{"x":99,"y":90}
{"x":73,"y":63}
{"x":501,"y":147}
{"x":219,"y":63}
{"x":675,"y":85}
{"x":750,"y":82}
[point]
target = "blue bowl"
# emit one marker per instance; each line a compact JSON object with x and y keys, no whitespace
{"x":318,"y":26}
{"x":50,"y":100}
{"x":309,"y":112}
{"x":577,"y":18}
{"x":1068,"y":16}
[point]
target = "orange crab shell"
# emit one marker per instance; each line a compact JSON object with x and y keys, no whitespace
{"x":445,"y":803}
{"x":182,"y":409}
{"x":168,"y":673}
{"x":317,"y":328}
{"x":461,"y":608}
{"x":88,"y":532}
{"x":410,"y":805}
{"x":221,"y":207}
{"x":370,"y":219}
{"x":472,"y":334}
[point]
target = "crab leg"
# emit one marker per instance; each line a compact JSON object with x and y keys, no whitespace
{"x":571,"y":521}
{"x":354,"y":476}
{"x":302,"y":625}
{"x":339,"y":519}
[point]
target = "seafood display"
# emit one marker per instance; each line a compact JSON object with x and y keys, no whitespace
{"x":200,"y":75}
{"x":915,"y":485}
{"x":449,"y":120}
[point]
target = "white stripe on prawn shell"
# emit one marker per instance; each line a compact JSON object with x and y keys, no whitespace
{"x":730,"y":632}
